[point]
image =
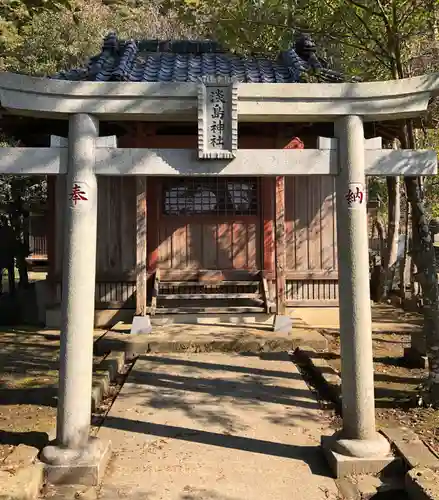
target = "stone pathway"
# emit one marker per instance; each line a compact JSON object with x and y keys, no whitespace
{"x":216,"y":427}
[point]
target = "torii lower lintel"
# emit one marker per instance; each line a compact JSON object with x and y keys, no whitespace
{"x":113,"y":161}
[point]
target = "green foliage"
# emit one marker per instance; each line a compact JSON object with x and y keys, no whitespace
{"x":371,"y":38}
{"x":15,"y":15}
{"x":377,"y":191}
{"x":65,"y":37}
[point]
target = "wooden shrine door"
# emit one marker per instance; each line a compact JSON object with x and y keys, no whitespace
{"x":206,"y":223}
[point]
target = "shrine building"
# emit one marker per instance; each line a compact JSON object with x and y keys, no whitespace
{"x":200,"y":244}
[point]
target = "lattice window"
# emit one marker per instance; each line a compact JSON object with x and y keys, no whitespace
{"x":210,"y":196}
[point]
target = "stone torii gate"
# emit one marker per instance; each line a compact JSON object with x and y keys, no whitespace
{"x":74,"y":456}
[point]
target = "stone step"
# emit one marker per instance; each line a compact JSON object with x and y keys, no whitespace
{"x":208,"y":296}
{"x":174,"y":336}
{"x":208,"y":283}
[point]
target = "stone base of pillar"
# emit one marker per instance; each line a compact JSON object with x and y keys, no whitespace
{"x":83,"y":467}
{"x":282,"y":323}
{"x":349,"y":457}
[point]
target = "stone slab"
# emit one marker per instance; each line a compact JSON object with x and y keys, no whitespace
{"x":256,"y":320}
{"x":21,"y":456}
{"x":100,"y":388}
{"x":343,"y":466}
{"x":120,"y":342}
{"x":408,"y":444}
{"x":322,"y":370}
{"x":24,"y":484}
{"x":208,"y":338}
{"x":85,"y":470}
{"x":216,"y":426}
{"x":422,"y":484}
{"x":370,"y":487}
{"x":113,"y":363}
{"x":105,"y":373}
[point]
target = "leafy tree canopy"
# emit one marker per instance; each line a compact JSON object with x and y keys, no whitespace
{"x":66,"y":34}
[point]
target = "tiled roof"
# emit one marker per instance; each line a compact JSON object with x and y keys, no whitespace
{"x":189,"y":61}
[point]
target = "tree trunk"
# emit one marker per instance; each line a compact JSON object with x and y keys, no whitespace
{"x":404,"y":270}
{"x":394,"y":209}
{"x":424,"y":257}
{"x":11,"y":278}
{"x":378,"y":277}
{"x":378,"y":225}
{"x":22,"y":271}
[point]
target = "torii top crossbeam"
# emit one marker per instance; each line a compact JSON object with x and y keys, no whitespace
{"x":386,"y":100}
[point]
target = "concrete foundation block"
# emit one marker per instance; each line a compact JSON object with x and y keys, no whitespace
{"x":84,"y":467}
{"x":282,"y":323}
{"x":343,"y":466}
{"x":141,"y":324}
{"x":23,"y":484}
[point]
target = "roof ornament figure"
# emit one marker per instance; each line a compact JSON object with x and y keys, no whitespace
{"x":306,"y":49}
{"x":305,"y":46}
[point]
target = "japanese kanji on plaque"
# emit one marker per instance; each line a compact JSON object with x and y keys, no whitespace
{"x":78,"y":194}
{"x":356,"y":195}
{"x":217,"y":119}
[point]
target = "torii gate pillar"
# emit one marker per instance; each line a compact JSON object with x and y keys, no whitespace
{"x":358,"y":447}
{"x":74,"y":453}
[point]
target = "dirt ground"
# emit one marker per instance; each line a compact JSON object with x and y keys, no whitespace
{"x":28,"y":386}
{"x":396,"y":385}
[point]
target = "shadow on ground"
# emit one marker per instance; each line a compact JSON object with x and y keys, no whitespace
{"x":305,"y":453}
{"x":251,"y":388}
